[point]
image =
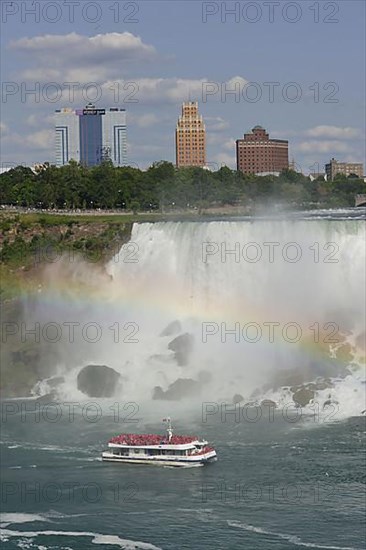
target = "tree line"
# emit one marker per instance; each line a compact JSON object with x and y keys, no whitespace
{"x":164,"y":187}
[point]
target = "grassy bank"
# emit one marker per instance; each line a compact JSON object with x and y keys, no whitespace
{"x":28,"y":244}
{"x":29,"y":240}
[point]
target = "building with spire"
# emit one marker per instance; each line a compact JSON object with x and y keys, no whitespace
{"x":190,"y":137}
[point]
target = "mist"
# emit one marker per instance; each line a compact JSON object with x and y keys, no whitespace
{"x":264,"y":302}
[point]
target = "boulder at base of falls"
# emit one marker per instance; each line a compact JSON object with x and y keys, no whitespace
{"x":181,"y":388}
{"x":306,"y":374}
{"x":173,"y":328}
{"x":268,"y":403}
{"x":238,"y":398}
{"x":98,"y":381}
{"x":302,"y":395}
{"x":182,"y":346}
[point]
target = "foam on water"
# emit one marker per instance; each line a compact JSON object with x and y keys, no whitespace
{"x":290,"y":538}
{"x":97,"y":538}
{"x":15,"y":518}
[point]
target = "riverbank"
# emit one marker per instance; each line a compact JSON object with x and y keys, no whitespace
{"x":28,"y":240}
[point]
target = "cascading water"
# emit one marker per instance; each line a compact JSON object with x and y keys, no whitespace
{"x":268,"y":304}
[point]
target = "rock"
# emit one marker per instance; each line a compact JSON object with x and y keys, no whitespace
{"x":158,"y":393}
{"x":325,"y":368}
{"x":98,"y":381}
{"x":182,"y":346}
{"x":238,"y":398}
{"x":47,"y":399}
{"x":173,"y":328}
{"x":181,"y":388}
{"x":304,"y":393}
{"x":268,"y":403}
{"x":303,"y":396}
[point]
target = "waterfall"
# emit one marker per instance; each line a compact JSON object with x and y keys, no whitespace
{"x":267,"y":304}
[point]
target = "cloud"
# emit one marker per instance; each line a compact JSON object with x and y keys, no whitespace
{"x":334,"y":132}
{"x":161,"y":90}
{"x":283,"y":134}
{"x":32,"y":120}
{"x":145,"y":121}
{"x":41,"y":140}
{"x":3,"y":128}
{"x":225,"y":159}
{"x":230,"y":144}
{"x":74,"y":57}
{"x":39,"y":120}
{"x":216,"y":124}
{"x":318,"y":146}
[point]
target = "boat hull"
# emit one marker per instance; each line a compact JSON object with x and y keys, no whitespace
{"x":161,"y":461}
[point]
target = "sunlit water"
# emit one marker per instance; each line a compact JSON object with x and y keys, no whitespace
{"x":276,"y":485}
{"x":284,"y":479}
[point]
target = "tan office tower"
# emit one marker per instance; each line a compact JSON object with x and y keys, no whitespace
{"x":190,"y":137}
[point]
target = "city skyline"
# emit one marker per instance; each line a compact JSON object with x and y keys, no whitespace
{"x":129,"y":58}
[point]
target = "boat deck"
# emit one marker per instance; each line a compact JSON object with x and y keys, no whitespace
{"x":138,"y":440}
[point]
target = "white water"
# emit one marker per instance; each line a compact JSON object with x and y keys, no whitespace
{"x":316,"y":275}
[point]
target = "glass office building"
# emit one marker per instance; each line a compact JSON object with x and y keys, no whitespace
{"x":91,"y":136}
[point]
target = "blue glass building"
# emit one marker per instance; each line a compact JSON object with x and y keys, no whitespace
{"x":91,"y":135}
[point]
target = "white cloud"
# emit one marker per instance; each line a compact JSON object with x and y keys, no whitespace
{"x":3,"y":128}
{"x":77,"y":58}
{"x":230,"y":144}
{"x":90,"y":49}
{"x":284,"y":134}
{"x":39,"y":120}
{"x":160,"y":90}
{"x":41,"y":140}
{"x":225,"y":159}
{"x":216,"y":124}
{"x":32,"y":120}
{"x":318,"y":146}
{"x":147,"y":120}
{"x":333,"y":132}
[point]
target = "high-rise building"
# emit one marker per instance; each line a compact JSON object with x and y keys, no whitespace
{"x":190,"y":137}
{"x":91,"y":136}
{"x":346,"y":168}
{"x":257,"y":154}
{"x":67,"y":136}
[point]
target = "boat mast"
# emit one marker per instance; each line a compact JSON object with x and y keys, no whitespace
{"x":169,"y":428}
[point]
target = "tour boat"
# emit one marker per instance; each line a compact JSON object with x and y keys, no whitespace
{"x":167,"y":450}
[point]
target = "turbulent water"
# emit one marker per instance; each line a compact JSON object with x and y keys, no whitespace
{"x":270,"y":306}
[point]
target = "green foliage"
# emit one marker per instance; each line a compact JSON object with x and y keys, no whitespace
{"x":162,"y":187}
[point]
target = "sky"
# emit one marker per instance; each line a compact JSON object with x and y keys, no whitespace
{"x":295,"y":68}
